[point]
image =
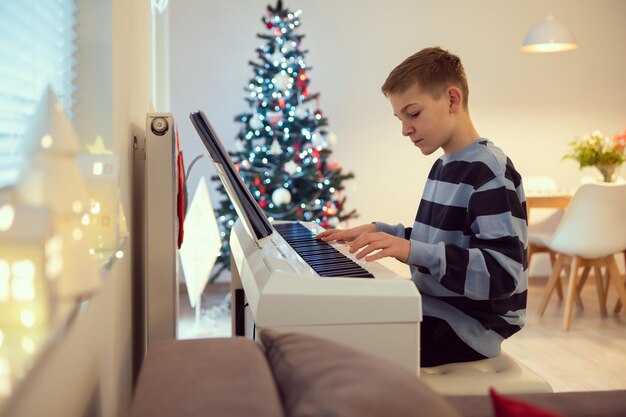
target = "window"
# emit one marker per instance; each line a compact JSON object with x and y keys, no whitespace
{"x":36,"y":51}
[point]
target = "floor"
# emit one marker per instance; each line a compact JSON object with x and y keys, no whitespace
{"x":590,"y":356}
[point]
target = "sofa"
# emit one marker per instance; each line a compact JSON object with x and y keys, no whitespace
{"x":291,"y":374}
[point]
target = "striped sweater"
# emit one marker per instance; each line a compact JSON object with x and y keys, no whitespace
{"x":468,"y":246}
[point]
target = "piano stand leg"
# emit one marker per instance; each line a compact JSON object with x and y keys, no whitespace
{"x":239,"y":314}
{"x":237,"y":300}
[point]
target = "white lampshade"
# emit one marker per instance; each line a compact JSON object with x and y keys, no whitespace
{"x":549,"y":36}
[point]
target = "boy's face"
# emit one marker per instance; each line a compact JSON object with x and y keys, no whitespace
{"x":427,"y":121}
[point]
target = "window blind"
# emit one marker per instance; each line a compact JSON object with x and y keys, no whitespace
{"x":37,"y":50}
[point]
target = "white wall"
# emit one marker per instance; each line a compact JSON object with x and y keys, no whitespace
{"x":530,"y":105}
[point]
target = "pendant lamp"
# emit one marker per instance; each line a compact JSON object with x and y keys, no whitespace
{"x":549,"y":36}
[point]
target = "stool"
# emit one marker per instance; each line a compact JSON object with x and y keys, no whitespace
{"x":501,"y":372}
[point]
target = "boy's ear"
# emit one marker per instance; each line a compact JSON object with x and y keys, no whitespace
{"x":455,"y":98}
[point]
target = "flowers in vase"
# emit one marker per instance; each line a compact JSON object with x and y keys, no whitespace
{"x":599,"y":151}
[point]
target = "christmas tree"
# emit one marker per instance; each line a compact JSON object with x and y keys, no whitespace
{"x":282,"y":150}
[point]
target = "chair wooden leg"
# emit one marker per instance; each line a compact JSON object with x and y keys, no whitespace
{"x":553,"y":281}
{"x":559,"y":287}
{"x":614,"y":277}
{"x":618,"y":305}
{"x":580,"y":285}
{"x":571,"y":293}
{"x":600,"y":287}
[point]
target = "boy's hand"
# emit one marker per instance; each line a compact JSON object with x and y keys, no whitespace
{"x":385,"y":245}
{"x":347,"y":235}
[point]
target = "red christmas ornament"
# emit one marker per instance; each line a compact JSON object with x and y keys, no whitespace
{"x":305,"y":92}
{"x":257,"y":181}
{"x":301,"y":80}
{"x":263,"y":204}
{"x":269,"y":25}
{"x":281,"y":103}
{"x":334,"y":166}
{"x":274,"y":117}
{"x":277,"y":33}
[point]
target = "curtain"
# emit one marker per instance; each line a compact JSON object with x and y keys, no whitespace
{"x":37,"y":50}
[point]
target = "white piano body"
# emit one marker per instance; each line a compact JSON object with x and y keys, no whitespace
{"x":381,"y":315}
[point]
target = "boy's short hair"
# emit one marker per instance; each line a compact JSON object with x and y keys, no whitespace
{"x":432,"y":69}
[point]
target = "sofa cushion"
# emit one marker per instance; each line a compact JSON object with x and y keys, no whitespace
{"x":504,"y":406}
{"x":570,"y":404}
{"x":206,"y":377}
{"x":319,"y":377}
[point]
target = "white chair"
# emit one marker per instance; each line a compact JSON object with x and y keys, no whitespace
{"x":542,"y":186}
{"x":590,"y":233}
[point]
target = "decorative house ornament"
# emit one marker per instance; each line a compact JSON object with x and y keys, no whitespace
{"x":101,"y":176}
{"x":80,"y":275}
{"x":51,"y":179}
{"x":30,"y":265}
{"x":51,"y":176}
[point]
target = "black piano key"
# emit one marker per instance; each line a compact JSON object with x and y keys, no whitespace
{"x":362,"y":274}
{"x":332,"y":261}
{"x":323,"y":258}
{"x":317,"y":251}
{"x":342,"y":267}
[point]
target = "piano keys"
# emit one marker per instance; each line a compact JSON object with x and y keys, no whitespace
{"x":319,"y":255}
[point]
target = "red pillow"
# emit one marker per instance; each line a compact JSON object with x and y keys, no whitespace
{"x":508,"y":407}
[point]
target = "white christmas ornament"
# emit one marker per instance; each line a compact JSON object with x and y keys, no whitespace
{"x":291,"y":167}
{"x":276,"y":57}
{"x":276,"y":149}
{"x":317,"y":139}
{"x":255,"y":122}
{"x":281,"y":196}
{"x":301,"y":112}
{"x":282,"y":80}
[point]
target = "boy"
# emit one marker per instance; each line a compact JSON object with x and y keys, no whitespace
{"x":467,"y":246}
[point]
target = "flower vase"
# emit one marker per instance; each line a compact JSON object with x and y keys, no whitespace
{"x":609,"y":172}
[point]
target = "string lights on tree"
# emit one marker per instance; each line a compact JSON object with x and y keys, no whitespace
{"x":283,"y":150}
